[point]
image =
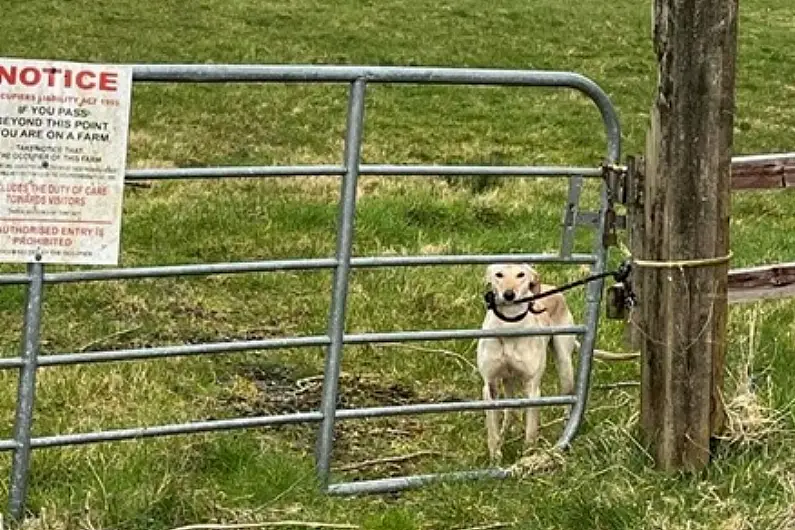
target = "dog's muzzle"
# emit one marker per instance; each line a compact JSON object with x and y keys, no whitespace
{"x":491,"y":304}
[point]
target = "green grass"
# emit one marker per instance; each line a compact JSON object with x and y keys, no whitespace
{"x":267,"y":474}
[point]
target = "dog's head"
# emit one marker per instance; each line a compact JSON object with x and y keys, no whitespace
{"x":512,"y":281}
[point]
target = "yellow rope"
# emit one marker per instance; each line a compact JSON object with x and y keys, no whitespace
{"x":680,"y":264}
{"x":675,"y":264}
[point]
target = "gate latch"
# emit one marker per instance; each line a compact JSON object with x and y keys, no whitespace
{"x":617,"y":302}
{"x":620,"y":296}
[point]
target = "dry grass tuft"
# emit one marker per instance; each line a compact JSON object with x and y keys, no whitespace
{"x":46,"y":519}
{"x":736,"y":522}
{"x":537,"y":462}
{"x":749,"y":419}
{"x":151,"y":163}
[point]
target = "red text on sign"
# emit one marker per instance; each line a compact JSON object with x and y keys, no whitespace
{"x":83,"y":79}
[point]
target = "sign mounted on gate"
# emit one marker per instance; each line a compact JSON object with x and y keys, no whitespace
{"x":63,"y":150}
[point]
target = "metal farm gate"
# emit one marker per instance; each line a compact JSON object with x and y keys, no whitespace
{"x":29,"y":361}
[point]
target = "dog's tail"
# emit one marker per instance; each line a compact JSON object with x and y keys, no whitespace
{"x":612,"y":356}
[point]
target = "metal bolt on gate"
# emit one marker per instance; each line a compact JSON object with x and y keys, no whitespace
{"x":29,"y":361}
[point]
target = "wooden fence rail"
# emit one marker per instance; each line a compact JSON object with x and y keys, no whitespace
{"x":762,"y":282}
{"x":758,"y":172}
{"x":762,"y":172}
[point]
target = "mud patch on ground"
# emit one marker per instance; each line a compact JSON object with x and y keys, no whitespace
{"x":271,"y":389}
{"x":282,"y":391}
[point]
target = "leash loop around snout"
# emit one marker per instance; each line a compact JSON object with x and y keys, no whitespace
{"x":619,"y":275}
{"x":491,"y":305}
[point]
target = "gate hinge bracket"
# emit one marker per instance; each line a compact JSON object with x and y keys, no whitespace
{"x":626,"y":182}
{"x":616,"y":176}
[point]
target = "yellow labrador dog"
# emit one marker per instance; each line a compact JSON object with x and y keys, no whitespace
{"x":520,"y":361}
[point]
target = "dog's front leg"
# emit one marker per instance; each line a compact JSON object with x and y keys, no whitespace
{"x":509,"y":389}
{"x":494,"y":436}
{"x":532,"y":389}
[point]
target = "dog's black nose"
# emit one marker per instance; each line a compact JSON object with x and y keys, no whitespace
{"x":509,"y":295}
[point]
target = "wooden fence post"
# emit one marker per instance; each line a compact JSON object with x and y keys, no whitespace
{"x":686,"y":202}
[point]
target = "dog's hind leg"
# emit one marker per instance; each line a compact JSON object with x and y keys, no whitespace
{"x":563,"y":345}
{"x":493,"y":431}
{"x":532,"y":389}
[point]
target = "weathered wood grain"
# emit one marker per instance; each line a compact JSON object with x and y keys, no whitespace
{"x":685,"y":205}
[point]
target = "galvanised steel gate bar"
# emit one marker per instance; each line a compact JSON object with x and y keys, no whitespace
{"x":20,"y":463}
{"x":29,"y":360}
{"x":336,"y":326}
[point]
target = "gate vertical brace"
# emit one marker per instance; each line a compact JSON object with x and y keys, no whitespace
{"x":593,"y":299}
{"x":570,"y":214}
{"x":336,"y":325}
{"x":593,"y":294}
{"x":26,"y":392}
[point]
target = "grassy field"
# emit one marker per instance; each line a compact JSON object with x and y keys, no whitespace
{"x":267,"y":475}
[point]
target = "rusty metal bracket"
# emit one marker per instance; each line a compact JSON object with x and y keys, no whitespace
{"x":617,"y":178}
{"x":632,"y":182}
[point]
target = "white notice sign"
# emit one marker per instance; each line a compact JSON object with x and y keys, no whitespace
{"x":63,"y":150}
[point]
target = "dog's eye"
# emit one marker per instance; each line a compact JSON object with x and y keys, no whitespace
{"x":498,"y":275}
{"x":520,"y":275}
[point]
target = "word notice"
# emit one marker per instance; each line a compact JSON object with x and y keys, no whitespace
{"x":63,"y":151}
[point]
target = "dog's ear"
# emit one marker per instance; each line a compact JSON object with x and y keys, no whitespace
{"x":488,"y":275}
{"x":534,"y":279}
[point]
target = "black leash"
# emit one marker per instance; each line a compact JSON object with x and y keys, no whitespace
{"x":619,"y":275}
